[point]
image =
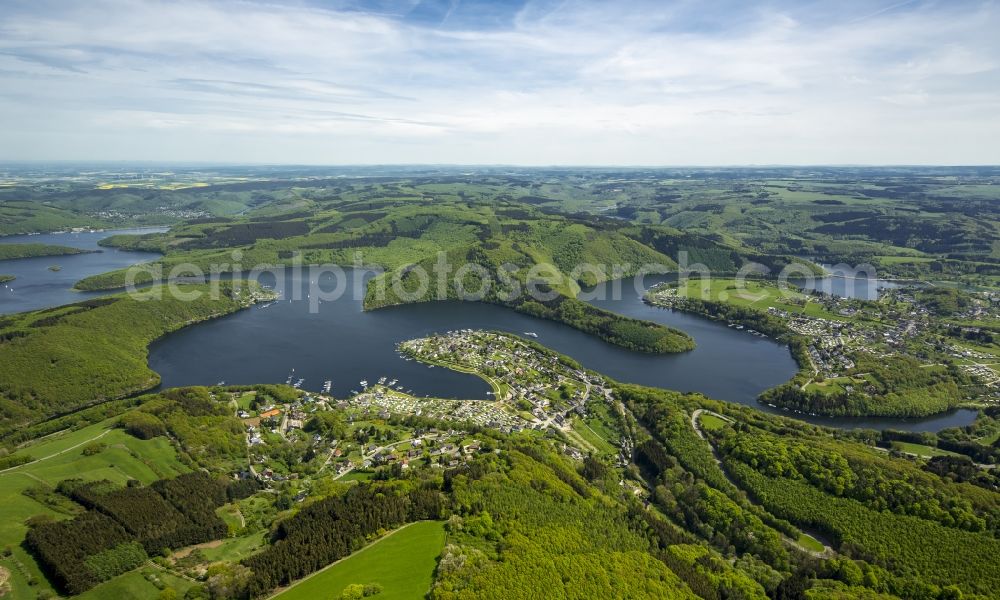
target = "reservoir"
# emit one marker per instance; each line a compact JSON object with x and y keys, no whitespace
{"x":342,"y":343}
{"x":37,"y":286}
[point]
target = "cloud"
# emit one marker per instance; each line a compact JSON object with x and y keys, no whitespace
{"x":523,"y":82}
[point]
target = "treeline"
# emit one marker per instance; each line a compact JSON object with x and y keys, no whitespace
{"x":332,"y":528}
{"x":526,"y":525}
{"x":122,"y":526}
{"x":945,"y":440}
{"x":244,"y":234}
{"x":626,"y":332}
{"x":12,"y":251}
{"x":95,"y":354}
{"x":205,"y":431}
{"x":897,"y":387}
{"x":923,"y":557}
{"x":881,"y":485}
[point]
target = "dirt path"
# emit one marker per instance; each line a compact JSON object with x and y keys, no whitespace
{"x":189,"y":549}
{"x":156,"y":565}
{"x":38,"y":460}
{"x":827,"y":550}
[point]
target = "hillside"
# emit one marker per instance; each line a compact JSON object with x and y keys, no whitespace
{"x":12,"y":251}
{"x":57,"y":360}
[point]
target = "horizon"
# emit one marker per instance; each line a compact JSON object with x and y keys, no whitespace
{"x":516,"y":83}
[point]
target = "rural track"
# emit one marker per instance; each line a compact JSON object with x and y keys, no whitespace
{"x":38,"y":460}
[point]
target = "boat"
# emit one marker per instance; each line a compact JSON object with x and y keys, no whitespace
{"x":364,"y":383}
{"x":531,"y":334}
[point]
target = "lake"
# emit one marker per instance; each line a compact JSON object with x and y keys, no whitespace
{"x":37,"y":286}
{"x":342,"y":343}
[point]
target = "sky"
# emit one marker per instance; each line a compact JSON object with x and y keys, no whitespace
{"x":538,"y":82}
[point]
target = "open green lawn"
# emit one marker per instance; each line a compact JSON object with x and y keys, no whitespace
{"x":592,"y":436}
{"x":246,"y":399}
{"x":123,"y":457}
{"x":137,"y":584}
{"x":236,"y":548}
{"x":402,"y":563}
{"x":759,"y":295}
{"x":835,"y":385}
{"x":921,"y":450}
{"x":711,"y":422}
{"x":810,"y":543}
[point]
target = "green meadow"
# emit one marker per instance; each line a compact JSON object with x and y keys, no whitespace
{"x":402,"y":563}
{"x":92,"y":453}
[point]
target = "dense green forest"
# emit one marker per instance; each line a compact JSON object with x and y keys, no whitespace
{"x":624,"y":492}
{"x":57,"y":360}
{"x":12,"y":251}
{"x":914,"y":532}
{"x":687,"y":517}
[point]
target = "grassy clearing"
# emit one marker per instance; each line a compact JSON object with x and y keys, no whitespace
{"x":759,"y":295}
{"x":711,"y":422}
{"x":137,"y":584}
{"x":592,"y":436}
{"x":121,"y":457}
{"x":234,"y":549}
{"x":810,"y":543}
{"x":921,"y":450}
{"x":402,"y":563}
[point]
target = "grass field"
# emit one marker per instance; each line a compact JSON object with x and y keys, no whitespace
{"x":592,"y":436}
{"x":402,"y":563}
{"x":122,"y":457}
{"x":835,"y":385}
{"x":711,"y":422}
{"x":137,"y":584}
{"x":810,"y":543}
{"x":759,"y":295}
{"x":236,"y":548}
{"x":921,"y":450}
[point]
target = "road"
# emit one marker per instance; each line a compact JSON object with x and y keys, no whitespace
{"x":371,"y":454}
{"x":695,"y":415}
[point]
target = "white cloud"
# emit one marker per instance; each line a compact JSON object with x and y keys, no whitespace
{"x":564,"y":83}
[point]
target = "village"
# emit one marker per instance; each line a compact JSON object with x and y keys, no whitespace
{"x":904,"y":321}
{"x":535,"y":391}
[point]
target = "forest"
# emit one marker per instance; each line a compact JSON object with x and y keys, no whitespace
{"x":123,"y":526}
{"x":92,"y":351}
{"x":12,"y":251}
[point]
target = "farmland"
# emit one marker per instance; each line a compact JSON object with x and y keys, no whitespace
{"x":401,"y":564}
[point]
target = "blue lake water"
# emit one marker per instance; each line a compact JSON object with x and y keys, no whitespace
{"x":36,"y":286}
{"x":342,"y":343}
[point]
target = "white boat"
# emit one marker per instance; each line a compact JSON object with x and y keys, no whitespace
{"x":531,"y":334}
